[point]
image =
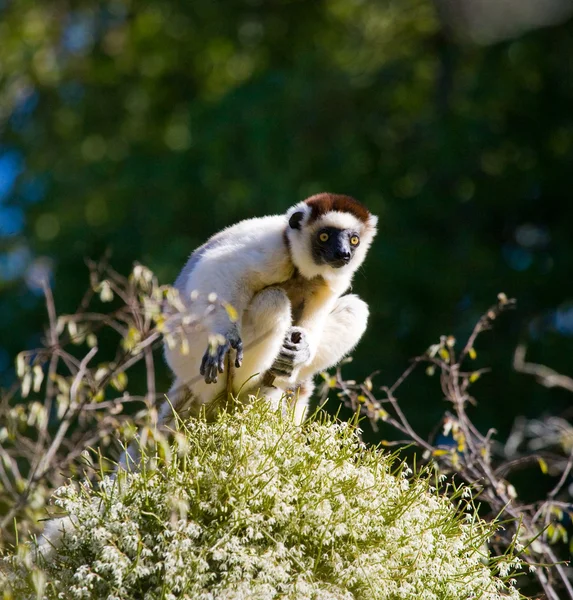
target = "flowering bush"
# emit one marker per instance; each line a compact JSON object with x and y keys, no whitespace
{"x":253,"y":506}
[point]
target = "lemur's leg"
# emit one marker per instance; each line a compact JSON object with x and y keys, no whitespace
{"x":265,"y":324}
{"x":343,"y":329}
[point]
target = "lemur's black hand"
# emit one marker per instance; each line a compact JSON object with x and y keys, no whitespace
{"x":295,"y":351}
{"x":214,"y":358}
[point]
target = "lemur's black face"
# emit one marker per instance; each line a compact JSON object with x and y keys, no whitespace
{"x":334,"y":247}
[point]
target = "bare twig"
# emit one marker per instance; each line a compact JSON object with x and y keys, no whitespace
{"x":473,"y":457}
{"x":545,"y":376}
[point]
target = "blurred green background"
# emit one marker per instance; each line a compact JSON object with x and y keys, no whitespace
{"x":145,"y":127}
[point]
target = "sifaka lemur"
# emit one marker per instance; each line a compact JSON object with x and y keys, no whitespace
{"x":285,"y":276}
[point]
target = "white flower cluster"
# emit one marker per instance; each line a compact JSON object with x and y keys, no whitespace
{"x":254,"y":507}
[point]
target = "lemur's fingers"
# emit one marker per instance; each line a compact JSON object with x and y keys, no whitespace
{"x":238,"y":346}
{"x":213,"y":361}
{"x":202,"y":368}
{"x":295,"y":349}
{"x":211,"y":375}
{"x":221,"y":354}
{"x":208,"y":367}
{"x":296,"y":335}
{"x":213,"y":366}
{"x":296,"y":339}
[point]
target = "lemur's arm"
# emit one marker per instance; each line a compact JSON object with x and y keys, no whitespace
{"x":234,"y":265}
{"x":303,"y":343}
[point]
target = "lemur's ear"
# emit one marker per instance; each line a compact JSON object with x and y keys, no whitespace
{"x":296,"y":219}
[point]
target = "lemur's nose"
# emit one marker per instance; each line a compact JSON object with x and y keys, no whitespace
{"x":342,"y":255}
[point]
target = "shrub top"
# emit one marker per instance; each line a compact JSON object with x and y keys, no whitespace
{"x":253,"y":506}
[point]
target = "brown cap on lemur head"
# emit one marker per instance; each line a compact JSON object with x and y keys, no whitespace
{"x":323,"y":203}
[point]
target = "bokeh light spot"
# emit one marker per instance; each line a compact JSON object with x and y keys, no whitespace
{"x":97,"y":212}
{"x":93,"y":148}
{"x":177,"y":137}
{"x":47,"y":227}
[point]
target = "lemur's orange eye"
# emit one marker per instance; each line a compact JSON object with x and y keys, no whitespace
{"x":355,"y":240}
{"x":323,"y":237}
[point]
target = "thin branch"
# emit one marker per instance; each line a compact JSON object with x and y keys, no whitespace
{"x":563,"y":478}
{"x":65,"y":425}
{"x":545,"y":376}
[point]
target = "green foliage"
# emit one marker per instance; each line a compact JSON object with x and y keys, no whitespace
{"x":253,"y":506}
{"x":148,"y":126}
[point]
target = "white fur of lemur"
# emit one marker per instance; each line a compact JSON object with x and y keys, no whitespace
{"x":285,"y":275}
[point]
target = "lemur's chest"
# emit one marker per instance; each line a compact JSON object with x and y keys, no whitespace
{"x":299,"y":291}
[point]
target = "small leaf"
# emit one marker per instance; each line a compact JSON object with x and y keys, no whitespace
{"x":184,"y":346}
{"x":101,"y":372}
{"x":440,"y":452}
{"x":444,"y":354}
{"x":26,"y":384}
{"x":231,"y":312}
{"x":173,"y":299}
{"x":132,"y":338}
{"x":72,"y":328}
{"x":433,"y":350}
{"x":119,"y":381}
{"x":542,"y":465}
{"x":472,"y":353}
{"x":99,"y":397}
{"x":105,"y":291}
{"x":20,"y":365}
{"x":38,"y":378}
{"x":430,"y":370}
{"x":62,"y":403}
{"x":551,"y":533}
{"x":39,"y":582}
{"x":474,"y":376}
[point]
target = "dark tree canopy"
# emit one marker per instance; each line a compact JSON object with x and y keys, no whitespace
{"x":145,"y":127}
